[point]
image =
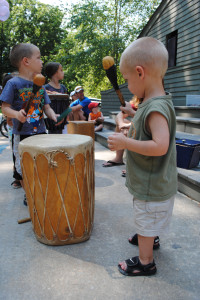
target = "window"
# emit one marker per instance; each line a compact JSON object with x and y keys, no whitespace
{"x":171,"y":42}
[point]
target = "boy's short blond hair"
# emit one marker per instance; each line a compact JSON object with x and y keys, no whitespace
{"x":19,"y":51}
{"x":148,"y":53}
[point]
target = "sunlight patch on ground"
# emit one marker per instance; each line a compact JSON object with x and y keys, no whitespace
{"x":5,"y":166}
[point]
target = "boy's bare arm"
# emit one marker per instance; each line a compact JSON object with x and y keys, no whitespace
{"x":128,"y":110}
{"x":76,"y":107}
{"x":121,"y":121}
{"x":159,"y":144}
{"x":50,"y":113}
{"x":14,"y":114}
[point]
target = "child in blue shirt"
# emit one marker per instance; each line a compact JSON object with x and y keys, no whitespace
{"x":26,"y":58}
{"x":80,"y":110}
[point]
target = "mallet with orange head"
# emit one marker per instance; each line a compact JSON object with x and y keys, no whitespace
{"x":38,"y":81}
{"x":109,"y":66}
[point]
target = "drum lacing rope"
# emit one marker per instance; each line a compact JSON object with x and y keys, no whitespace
{"x":50,"y":155}
{"x":79,"y":194}
{"x":90,"y":174}
{"x":53,"y":164}
{"x":34,"y":210}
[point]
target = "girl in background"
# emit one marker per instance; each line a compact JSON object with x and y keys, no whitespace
{"x":54,"y":72}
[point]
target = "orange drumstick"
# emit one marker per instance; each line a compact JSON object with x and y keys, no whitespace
{"x":38,"y":81}
{"x":109,"y":66}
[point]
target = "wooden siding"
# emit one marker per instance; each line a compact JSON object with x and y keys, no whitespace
{"x":184,"y":16}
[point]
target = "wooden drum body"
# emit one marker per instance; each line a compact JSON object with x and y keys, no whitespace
{"x":58,"y":175}
{"x":59,"y":102}
{"x":81,"y":127}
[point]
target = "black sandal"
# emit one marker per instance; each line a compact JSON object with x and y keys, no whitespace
{"x":134,"y":241}
{"x":123,"y":173}
{"x":16,"y":184}
{"x":135,"y":268}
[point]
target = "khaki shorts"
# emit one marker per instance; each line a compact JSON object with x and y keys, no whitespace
{"x":152,"y":218}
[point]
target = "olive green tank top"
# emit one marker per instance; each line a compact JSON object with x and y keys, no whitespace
{"x":152,"y":178}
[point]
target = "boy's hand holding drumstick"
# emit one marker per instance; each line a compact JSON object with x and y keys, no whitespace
{"x":38,"y":81}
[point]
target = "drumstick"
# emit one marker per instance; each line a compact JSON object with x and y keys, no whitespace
{"x":24,"y":220}
{"x":64,"y":114}
{"x":38,"y":81}
{"x":109,"y":66}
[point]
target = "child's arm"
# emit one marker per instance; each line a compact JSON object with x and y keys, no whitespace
{"x":121,"y":121}
{"x":14,"y":114}
{"x":128,"y":110}
{"x":102,"y":117}
{"x":50,"y":112}
{"x":76,"y":107}
{"x":158,"y":146}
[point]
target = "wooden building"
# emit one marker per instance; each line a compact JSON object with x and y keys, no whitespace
{"x":177,"y":24}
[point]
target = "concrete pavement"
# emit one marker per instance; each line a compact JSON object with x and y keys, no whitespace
{"x":31,"y":270}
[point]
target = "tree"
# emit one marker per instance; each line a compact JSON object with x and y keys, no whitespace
{"x":31,"y":22}
{"x":99,"y":29}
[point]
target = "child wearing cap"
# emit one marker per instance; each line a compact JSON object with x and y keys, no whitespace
{"x":96,"y":116}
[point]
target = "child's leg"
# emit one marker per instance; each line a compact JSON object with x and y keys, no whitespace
{"x":99,"y":127}
{"x":143,"y":265}
{"x":17,"y":157}
{"x":145,"y":249}
{"x":76,"y":116}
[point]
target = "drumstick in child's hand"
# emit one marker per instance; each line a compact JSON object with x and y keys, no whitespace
{"x":64,"y":114}
{"x":109,"y":66}
{"x":38,"y":81}
{"x":25,"y":220}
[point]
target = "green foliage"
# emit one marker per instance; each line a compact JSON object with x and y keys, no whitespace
{"x":99,"y":29}
{"x":30,"y":22}
{"x":94,"y":29}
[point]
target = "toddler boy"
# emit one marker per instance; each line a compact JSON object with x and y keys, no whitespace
{"x":96,"y":116}
{"x":151,"y":153}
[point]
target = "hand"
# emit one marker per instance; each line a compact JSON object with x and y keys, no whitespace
{"x":117,"y":141}
{"x":52,"y":92}
{"x":54,"y":118}
{"x":21,"y":116}
{"x":128,"y":110}
{"x":124,"y":126}
{"x":124,"y":131}
{"x":100,"y":120}
{"x":59,"y":122}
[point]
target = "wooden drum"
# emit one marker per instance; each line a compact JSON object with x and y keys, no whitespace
{"x":81,"y":127}
{"x":58,"y":175}
{"x":59,"y":102}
